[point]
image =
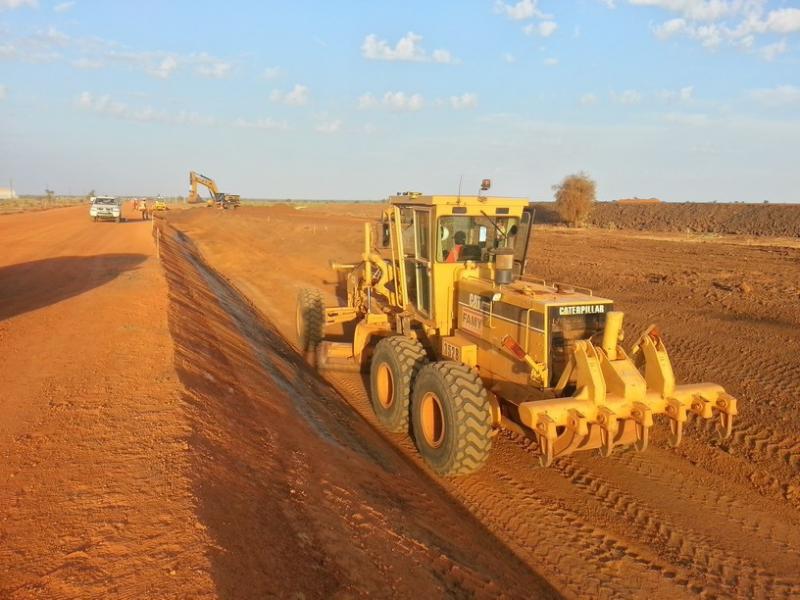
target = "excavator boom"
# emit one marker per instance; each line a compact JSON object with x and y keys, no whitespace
{"x":221,"y":200}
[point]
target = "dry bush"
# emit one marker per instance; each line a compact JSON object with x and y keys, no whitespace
{"x":574,"y":197}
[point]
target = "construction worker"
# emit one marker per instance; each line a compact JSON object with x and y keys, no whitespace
{"x":143,"y":208}
{"x":455,"y":254}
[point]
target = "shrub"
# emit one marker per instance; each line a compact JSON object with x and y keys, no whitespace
{"x":574,"y":197}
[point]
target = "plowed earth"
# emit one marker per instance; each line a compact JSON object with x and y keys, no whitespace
{"x":161,"y":438}
{"x":763,"y":220}
{"x":709,"y":518}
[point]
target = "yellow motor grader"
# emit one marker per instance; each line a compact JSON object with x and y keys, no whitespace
{"x":459,"y":341}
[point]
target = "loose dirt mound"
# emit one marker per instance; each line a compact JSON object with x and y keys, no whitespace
{"x":779,"y":220}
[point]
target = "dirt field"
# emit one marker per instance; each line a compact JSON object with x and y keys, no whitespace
{"x":158,"y":441}
{"x":763,"y":220}
{"x":709,"y":519}
{"x":161,"y":438}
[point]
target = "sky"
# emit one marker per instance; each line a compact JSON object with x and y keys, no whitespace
{"x":684,"y":100}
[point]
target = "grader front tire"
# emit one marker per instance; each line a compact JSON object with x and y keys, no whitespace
{"x":310,"y":318}
{"x":395,"y":364}
{"x":451,"y":418}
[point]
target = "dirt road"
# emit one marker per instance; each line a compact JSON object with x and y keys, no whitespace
{"x":94,"y":496}
{"x":708,"y":519}
{"x":158,"y":439}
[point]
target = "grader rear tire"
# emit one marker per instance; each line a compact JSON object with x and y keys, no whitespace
{"x":310,"y":318}
{"x":395,"y":364}
{"x":451,"y":418}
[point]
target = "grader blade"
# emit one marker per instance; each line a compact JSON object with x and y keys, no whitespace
{"x":613,"y":404}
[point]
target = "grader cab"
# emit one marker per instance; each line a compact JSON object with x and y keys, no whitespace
{"x":459,"y":341}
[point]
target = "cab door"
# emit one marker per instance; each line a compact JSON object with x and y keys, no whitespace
{"x":416,"y":251}
{"x":422,"y":260}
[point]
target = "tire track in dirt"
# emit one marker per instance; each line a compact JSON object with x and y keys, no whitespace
{"x":697,"y":560}
{"x":727,"y":570}
{"x":541,"y":533}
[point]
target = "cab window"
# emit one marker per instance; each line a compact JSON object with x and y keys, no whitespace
{"x":462,"y":238}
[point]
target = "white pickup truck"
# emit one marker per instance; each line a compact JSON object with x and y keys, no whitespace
{"x":105,"y":207}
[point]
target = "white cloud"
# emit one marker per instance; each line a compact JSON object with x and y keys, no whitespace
{"x":684,"y":94}
{"x":12,"y":4}
{"x":697,"y":10}
{"x":164,"y":69}
{"x":783,"y":20}
{"x":271,"y":73}
{"x":329,"y":127}
{"x":266,"y":124}
{"x":210,"y":67}
{"x":87,"y":63}
{"x":185,"y":117}
{"x":464,"y":101}
{"x":8,"y":51}
{"x":297,"y":96}
{"x":782,"y":95}
{"x":550,"y":62}
{"x":49,"y":45}
{"x":521,"y":11}
{"x":396,"y":101}
{"x":408,"y":48}
{"x":669,"y":28}
{"x":400,"y":101}
{"x":543,"y":28}
{"x":106,"y":106}
{"x":688,"y":119}
{"x":64,"y":7}
{"x":771,"y":51}
{"x":28,"y":54}
{"x":509,"y":58}
{"x":367,"y":101}
{"x":628,"y":97}
{"x":443,"y":57}
{"x":52,"y":37}
{"x":3,"y":92}
{"x":737,"y":23}
{"x":588,"y":99}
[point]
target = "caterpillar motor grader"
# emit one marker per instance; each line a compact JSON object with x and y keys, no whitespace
{"x":458,"y":340}
{"x":218,"y":199}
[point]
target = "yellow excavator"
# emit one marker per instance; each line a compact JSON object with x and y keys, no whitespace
{"x":460,"y":341}
{"x":218,"y":199}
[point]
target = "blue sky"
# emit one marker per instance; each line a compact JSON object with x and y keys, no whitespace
{"x":686,"y":100}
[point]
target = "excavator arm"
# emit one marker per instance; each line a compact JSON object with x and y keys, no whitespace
{"x":196,"y":179}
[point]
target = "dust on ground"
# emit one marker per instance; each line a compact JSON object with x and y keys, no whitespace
{"x":709,"y":518}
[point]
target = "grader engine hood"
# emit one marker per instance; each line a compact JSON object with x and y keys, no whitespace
{"x":566,"y":344}
{"x":542,"y":320}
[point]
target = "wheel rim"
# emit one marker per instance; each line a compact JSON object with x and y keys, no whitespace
{"x":385,"y":385}
{"x":432,"y":420}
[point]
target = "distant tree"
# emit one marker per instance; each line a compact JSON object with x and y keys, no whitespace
{"x":574,"y":197}
{"x":49,"y":194}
